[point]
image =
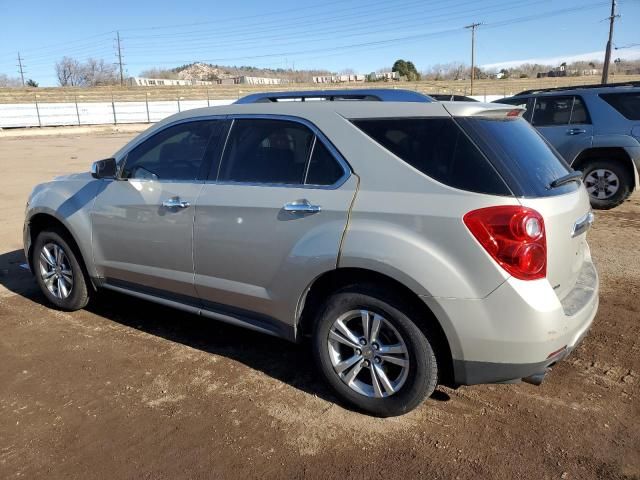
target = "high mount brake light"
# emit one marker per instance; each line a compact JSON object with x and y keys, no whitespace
{"x":514,"y":236}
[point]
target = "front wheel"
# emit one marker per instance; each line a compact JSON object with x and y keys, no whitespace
{"x":372,"y":353}
{"x":608,"y":183}
{"x":58,"y":271}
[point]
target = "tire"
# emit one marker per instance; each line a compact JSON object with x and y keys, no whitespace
{"x":68,"y":290}
{"x":606,"y":169}
{"x":414,"y":382}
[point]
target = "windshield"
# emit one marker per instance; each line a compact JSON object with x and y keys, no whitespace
{"x":520,"y":154}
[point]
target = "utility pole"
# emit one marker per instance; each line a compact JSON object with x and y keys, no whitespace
{"x":473,"y":27}
{"x":21,"y":68}
{"x":607,"y":55}
{"x":120,"y":59}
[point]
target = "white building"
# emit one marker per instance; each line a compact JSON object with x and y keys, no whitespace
{"x":338,"y":78}
{"x":155,"y":82}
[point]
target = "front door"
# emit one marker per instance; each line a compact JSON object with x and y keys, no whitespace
{"x":270,"y":221}
{"x":143,"y":222}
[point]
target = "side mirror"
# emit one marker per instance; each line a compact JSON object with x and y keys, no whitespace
{"x":104,"y":168}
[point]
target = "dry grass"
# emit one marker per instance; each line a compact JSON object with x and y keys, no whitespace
{"x":102,"y":94}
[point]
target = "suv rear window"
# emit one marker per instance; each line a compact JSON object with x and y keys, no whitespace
{"x":520,"y":154}
{"x":438,"y":148}
{"x":627,"y":103}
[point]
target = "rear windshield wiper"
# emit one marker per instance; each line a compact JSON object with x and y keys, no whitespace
{"x":568,"y":178}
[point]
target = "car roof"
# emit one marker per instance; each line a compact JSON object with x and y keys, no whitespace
{"x":345,"y":109}
{"x":362,"y":94}
{"x":596,"y":88}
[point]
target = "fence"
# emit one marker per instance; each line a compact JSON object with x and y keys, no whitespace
{"x":38,"y":114}
{"x":49,"y":114}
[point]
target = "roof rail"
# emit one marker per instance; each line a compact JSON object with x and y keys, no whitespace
{"x":578,"y":87}
{"x":366,"y":94}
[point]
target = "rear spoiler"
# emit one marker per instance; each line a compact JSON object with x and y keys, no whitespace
{"x":472,"y":109}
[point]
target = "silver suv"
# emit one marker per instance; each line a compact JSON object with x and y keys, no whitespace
{"x":415,"y":243}
{"x":596,"y":129}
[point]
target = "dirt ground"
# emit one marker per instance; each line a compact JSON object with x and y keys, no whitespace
{"x":127,"y":389}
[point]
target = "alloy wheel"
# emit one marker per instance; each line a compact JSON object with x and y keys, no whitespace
{"x":602,"y":183}
{"x":55,"y":270}
{"x":368,"y":353}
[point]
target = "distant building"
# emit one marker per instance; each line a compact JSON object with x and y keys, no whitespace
{"x":163,"y":82}
{"x":385,"y":76}
{"x":563,"y":71}
{"x":339,"y":78}
{"x":247,"y":80}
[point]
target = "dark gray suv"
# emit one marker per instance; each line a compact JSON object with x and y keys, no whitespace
{"x":596,"y":129}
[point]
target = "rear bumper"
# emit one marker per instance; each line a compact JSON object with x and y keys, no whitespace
{"x":469,"y":372}
{"x":519,"y":330}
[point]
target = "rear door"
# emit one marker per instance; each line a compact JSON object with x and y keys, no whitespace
{"x":270,"y":219}
{"x":565,"y":122}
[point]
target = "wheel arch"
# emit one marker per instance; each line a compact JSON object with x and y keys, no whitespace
{"x":618,"y":154}
{"x":340,"y":278}
{"x":43,"y":220}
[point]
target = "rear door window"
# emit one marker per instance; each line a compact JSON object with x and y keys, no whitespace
{"x":579,"y":113}
{"x":323,"y":168}
{"x":626,"y":103}
{"x":266,"y":151}
{"x":438,"y":148}
{"x":275,"y":151}
{"x":559,"y":111}
{"x":552,"y":111}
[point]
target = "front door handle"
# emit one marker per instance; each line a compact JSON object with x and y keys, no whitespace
{"x":576,"y":131}
{"x":301,"y":206}
{"x":175,"y":202}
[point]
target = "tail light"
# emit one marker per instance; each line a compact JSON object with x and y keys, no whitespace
{"x":514,"y":236}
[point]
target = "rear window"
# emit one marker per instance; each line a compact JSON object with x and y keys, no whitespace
{"x":520,"y":154}
{"x":627,"y":103}
{"x":438,"y":148}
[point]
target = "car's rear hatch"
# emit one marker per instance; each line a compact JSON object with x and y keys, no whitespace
{"x":530,"y":166}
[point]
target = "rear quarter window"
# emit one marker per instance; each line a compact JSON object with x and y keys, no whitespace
{"x":438,"y":148}
{"x":626,"y":103}
{"x":520,"y":153}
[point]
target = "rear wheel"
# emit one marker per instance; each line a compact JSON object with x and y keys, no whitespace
{"x":58,"y":271}
{"x":372,"y":353}
{"x":607,"y":182}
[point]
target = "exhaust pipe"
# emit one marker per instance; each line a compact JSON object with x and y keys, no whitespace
{"x":537,"y":378}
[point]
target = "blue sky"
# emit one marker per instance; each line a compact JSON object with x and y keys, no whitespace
{"x":358,"y":34}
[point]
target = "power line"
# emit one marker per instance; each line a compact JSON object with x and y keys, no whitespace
{"x":607,"y":55}
{"x":20,"y":68}
{"x":352,"y":29}
{"x":473,"y":27}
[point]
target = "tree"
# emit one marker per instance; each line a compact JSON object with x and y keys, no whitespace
{"x":9,"y":82}
{"x":406,"y":69}
{"x":505,"y":73}
{"x":32,"y":83}
{"x":69,"y":72}
{"x":93,"y":72}
{"x":96,"y":72}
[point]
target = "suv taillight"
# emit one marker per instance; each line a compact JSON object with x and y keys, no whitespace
{"x":514,"y":236}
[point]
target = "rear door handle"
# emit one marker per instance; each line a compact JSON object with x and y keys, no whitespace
{"x":576,"y":131}
{"x":175,"y":202}
{"x":301,"y":206}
